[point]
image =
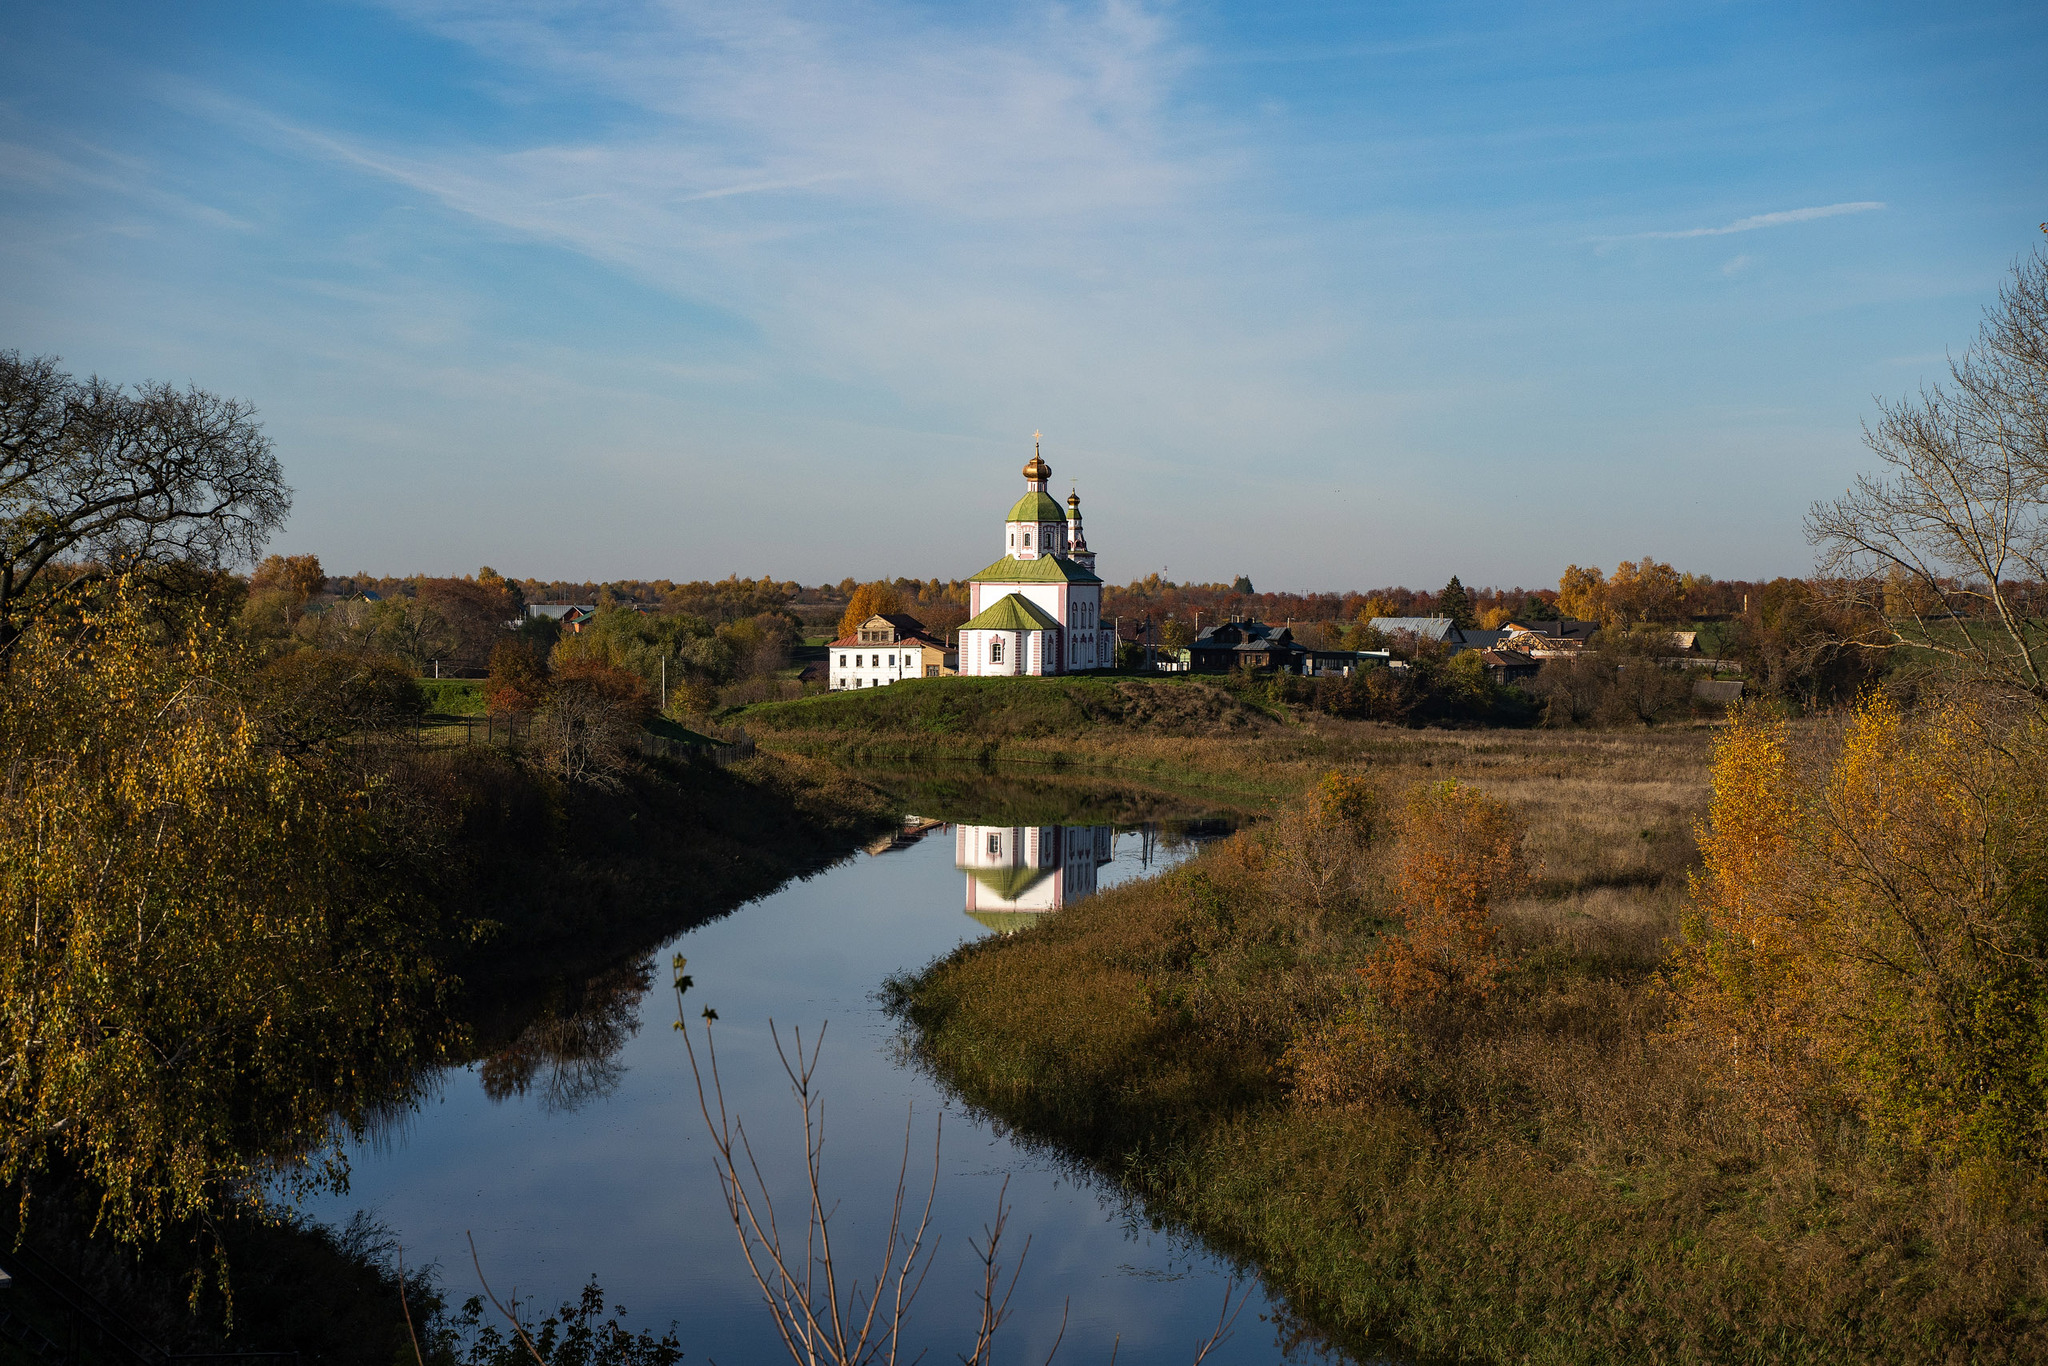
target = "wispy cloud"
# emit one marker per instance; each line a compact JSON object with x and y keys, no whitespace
{"x":1754,"y":222}
{"x":969,"y":209}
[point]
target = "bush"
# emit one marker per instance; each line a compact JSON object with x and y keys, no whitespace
{"x":588,"y":730}
{"x":518,"y":684}
{"x":1870,"y":934}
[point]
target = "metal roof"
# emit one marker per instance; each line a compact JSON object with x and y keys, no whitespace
{"x":1014,"y":612}
{"x":1044,"y":569}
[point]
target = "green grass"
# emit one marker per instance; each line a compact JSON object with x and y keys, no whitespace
{"x":985,"y":710}
{"x":681,"y":734}
{"x":453,"y":696}
{"x":976,"y":795}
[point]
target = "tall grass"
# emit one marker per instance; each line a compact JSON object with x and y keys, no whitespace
{"x":1540,"y":1177}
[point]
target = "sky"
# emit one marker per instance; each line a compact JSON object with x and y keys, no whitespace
{"x":1333,"y":296}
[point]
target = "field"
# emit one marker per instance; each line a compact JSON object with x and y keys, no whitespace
{"x":1539,"y":1178}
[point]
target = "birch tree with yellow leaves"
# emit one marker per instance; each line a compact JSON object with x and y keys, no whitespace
{"x":212,"y":972}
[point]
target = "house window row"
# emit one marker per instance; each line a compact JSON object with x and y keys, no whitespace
{"x":875,"y":661}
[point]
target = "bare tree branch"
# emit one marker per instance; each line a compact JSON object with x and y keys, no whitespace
{"x":1949,"y":546}
{"x":117,"y":480}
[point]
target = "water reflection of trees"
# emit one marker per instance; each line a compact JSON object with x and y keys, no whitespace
{"x":568,"y":1053}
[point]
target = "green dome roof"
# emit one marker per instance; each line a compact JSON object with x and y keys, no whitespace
{"x":1037,"y":506}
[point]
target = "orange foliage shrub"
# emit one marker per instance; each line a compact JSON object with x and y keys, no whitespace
{"x":1460,"y":850}
{"x":518,"y":681}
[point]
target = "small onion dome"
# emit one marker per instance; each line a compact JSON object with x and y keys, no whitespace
{"x":1037,"y":469}
{"x":1073,"y":507}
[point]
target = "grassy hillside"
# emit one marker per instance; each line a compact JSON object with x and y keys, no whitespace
{"x":1004,"y":710}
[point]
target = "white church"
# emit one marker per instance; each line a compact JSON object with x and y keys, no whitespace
{"x":1015,"y":874}
{"x":1037,"y":610}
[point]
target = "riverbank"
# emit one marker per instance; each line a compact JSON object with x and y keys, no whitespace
{"x":549,"y":899}
{"x":573,"y":877}
{"x":1534,"y":1178}
{"x":1188,"y":733}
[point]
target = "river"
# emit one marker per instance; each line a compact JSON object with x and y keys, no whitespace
{"x":601,"y":1166}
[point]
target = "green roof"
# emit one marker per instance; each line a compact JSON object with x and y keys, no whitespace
{"x":1044,"y":569}
{"x":1014,"y":612}
{"x":1037,"y":506}
{"x":1009,"y":882}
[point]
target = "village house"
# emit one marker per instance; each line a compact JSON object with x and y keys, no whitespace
{"x":1258,"y":647}
{"x":1251,"y":645}
{"x":887,"y":648}
{"x":1548,"y":639}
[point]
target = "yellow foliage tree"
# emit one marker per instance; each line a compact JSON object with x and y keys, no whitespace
{"x":1643,"y":590}
{"x":1871,"y":938}
{"x":1582,"y":594}
{"x":870,"y":599}
{"x":211,"y":968}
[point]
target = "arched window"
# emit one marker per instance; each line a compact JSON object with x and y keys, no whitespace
{"x":995,"y":650}
{"x":1027,"y":538}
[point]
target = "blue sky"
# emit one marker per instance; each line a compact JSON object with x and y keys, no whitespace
{"x":1335,"y":296}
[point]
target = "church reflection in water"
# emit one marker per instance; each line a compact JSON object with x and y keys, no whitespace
{"x":1018,"y":872}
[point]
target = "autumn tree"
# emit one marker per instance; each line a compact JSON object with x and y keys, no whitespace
{"x":1866,"y":936}
{"x":124,"y":481}
{"x":296,"y":577}
{"x":1949,"y":543}
{"x":1582,"y":594}
{"x":1807,"y":646}
{"x":518,"y":682}
{"x":476,"y":613}
{"x":1644,"y":685}
{"x":588,"y":729}
{"x":868,"y":600}
{"x":1644,"y":590}
{"x":215,"y":966}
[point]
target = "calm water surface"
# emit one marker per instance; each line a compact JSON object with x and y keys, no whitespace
{"x":605,"y":1170}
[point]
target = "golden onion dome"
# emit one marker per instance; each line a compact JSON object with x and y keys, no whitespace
{"x":1037,"y":469}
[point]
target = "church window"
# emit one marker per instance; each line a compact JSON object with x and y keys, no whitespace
{"x":1027,"y":538}
{"x":995,"y":650}
{"x":995,"y":843}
